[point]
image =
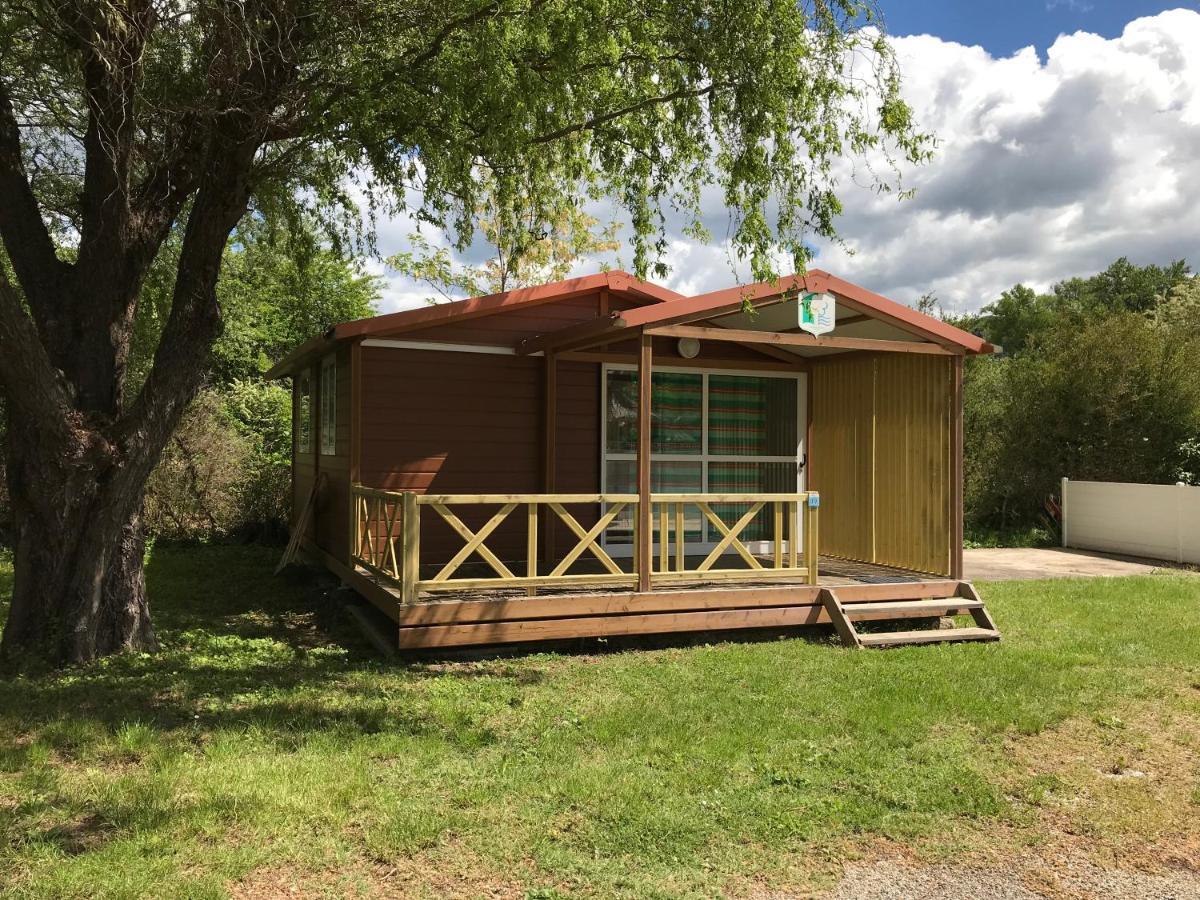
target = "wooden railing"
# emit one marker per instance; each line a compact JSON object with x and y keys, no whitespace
{"x":386,"y":538}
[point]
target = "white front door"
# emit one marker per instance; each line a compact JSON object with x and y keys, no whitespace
{"x":712,"y":431}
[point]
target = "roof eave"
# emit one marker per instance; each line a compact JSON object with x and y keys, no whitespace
{"x":310,"y":349}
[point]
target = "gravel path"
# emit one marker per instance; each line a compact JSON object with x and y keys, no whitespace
{"x":1074,"y":879}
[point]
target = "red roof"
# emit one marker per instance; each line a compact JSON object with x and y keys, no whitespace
{"x":815,"y":281}
{"x":660,"y":305}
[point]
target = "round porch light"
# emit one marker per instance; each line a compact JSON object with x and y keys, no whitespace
{"x":689,"y":348}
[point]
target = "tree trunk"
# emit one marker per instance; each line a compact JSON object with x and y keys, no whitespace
{"x":79,"y":590}
{"x":124,"y":620}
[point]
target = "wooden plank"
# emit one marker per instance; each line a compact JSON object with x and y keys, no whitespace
{"x":786,"y":339}
{"x":500,"y":499}
{"x":793,"y":524}
{"x":531,"y":544}
{"x":760,"y":349}
{"x":497,"y":583}
{"x":778,"y":533}
{"x":956,"y":470}
{"x":410,"y":572}
{"x":812,"y":552}
{"x":980,"y":614}
{"x":930,"y":636}
{"x":941,"y":607}
{"x":664,"y":537}
{"x":601,"y":356}
{"x":391,"y":514}
{"x":907,"y":590}
{"x":837,"y":615}
{"x":448,"y":612}
{"x":556,"y":629}
{"x":301,"y":525}
{"x":680,"y":539}
{"x":747,"y":575}
{"x":728,"y":498}
{"x":645,"y":536}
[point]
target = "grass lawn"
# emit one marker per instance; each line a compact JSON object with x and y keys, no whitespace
{"x":265,"y":753}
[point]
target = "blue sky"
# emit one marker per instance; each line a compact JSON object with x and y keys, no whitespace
{"x":1004,"y":26}
{"x":1068,"y":136}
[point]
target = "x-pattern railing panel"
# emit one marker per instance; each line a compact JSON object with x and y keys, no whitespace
{"x":474,"y":542}
{"x":382,"y":518}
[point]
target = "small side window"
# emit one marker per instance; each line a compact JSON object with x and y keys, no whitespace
{"x":304,"y":413}
{"x":329,"y":406}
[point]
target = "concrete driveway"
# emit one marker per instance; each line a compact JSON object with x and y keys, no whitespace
{"x":1025,"y":564}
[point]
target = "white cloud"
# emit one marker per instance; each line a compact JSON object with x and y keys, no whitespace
{"x":1044,"y":170}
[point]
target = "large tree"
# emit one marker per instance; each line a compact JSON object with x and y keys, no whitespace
{"x":123,"y":121}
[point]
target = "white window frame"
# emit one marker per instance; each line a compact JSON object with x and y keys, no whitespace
{"x":704,"y":457}
{"x":327,"y":428}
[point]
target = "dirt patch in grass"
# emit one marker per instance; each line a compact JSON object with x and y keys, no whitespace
{"x":451,"y":872}
{"x":81,"y":834}
{"x":1120,"y":788}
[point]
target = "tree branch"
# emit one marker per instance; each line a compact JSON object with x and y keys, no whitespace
{"x":593,"y":123}
{"x":439,"y":40}
{"x":194,"y":323}
{"x":111,"y":70}
{"x":30,"y":248}
{"x":33,"y":387}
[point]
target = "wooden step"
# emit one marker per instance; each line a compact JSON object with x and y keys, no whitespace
{"x":909,"y":607}
{"x":897,"y":590}
{"x":929,"y":636}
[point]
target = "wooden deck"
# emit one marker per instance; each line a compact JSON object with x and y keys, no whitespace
{"x":480,"y":618}
{"x":481,"y":596}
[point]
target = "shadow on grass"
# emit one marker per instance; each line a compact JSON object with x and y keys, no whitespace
{"x":247,"y":651}
{"x":241,"y":649}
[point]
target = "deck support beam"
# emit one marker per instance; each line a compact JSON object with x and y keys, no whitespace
{"x":644,"y":531}
{"x":788,"y":339}
{"x":956,"y":469}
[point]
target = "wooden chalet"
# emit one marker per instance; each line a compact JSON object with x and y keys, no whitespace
{"x":602,"y":456}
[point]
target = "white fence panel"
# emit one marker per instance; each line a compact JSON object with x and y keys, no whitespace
{"x":1159,"y":521}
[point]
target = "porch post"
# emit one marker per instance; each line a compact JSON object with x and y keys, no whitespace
{"x":956,"y":468}
{"x":550,"y":446}
{"x":645,"y":535}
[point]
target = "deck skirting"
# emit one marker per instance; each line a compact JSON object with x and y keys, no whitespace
{"x":476,"y":623}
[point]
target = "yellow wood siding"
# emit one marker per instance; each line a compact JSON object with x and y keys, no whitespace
{"x":881,"y":458}
{"x":841,"y":454}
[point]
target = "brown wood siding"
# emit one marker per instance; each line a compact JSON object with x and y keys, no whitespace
{"x":453,"y":423}
{"x":881,"y":458}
